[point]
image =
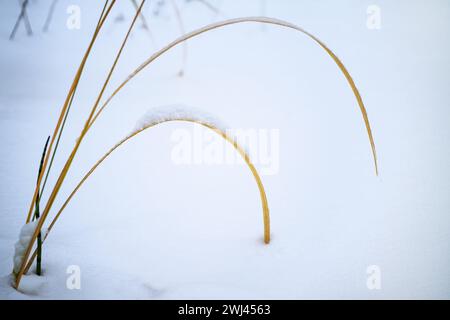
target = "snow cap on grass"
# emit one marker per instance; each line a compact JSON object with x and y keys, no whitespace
{"x":181,"y":112}
{"x":178,"y":112}
{"x":21,"y":245}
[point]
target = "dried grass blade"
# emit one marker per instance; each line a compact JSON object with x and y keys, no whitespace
{"x":182,"y":32}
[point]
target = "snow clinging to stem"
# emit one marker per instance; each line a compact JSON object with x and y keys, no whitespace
{"x":178,"y":112}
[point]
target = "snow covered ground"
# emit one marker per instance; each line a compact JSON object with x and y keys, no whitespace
{"x":145,"y":227}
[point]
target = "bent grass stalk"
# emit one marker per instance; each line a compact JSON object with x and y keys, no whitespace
{"x":94,"y":115}
{"x":223,"y":134}
{"x":263,"y":20}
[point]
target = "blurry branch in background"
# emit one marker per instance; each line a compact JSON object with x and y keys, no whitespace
{"x":182,"y":32}
{"x":144,"y":21}
{"x":22,"y":16}
{"x":66,"y":114}
{"x":181,"y":27}
{"x":209,"y":6}
{"x":48,"y":20}
{"x":26,"y":260}
{"x":37,"y":215}
{"x":263,"y":7}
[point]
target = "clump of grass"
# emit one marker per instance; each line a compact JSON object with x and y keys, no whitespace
{"x":96,"y":111}
{"x":182,"y":31}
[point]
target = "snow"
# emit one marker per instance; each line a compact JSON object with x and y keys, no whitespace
{"x":178,"y":112}
{"x":143,"y":227}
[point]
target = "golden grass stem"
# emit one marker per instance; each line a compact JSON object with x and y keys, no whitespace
{"x":66,"y":103}
{"x":263,"y":20}
{"x":232,"y":141}
{"x":209,"y":6}
{"x":75,"y":149}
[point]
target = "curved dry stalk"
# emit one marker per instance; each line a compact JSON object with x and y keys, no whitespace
{"x":222,"y":133}
{"x":259,"y":20}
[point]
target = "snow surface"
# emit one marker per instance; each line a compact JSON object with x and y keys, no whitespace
{"x":143,"y":227}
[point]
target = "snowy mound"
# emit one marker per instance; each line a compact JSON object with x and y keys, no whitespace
{"x":21,"y":245}
{"x":177,"y":112}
